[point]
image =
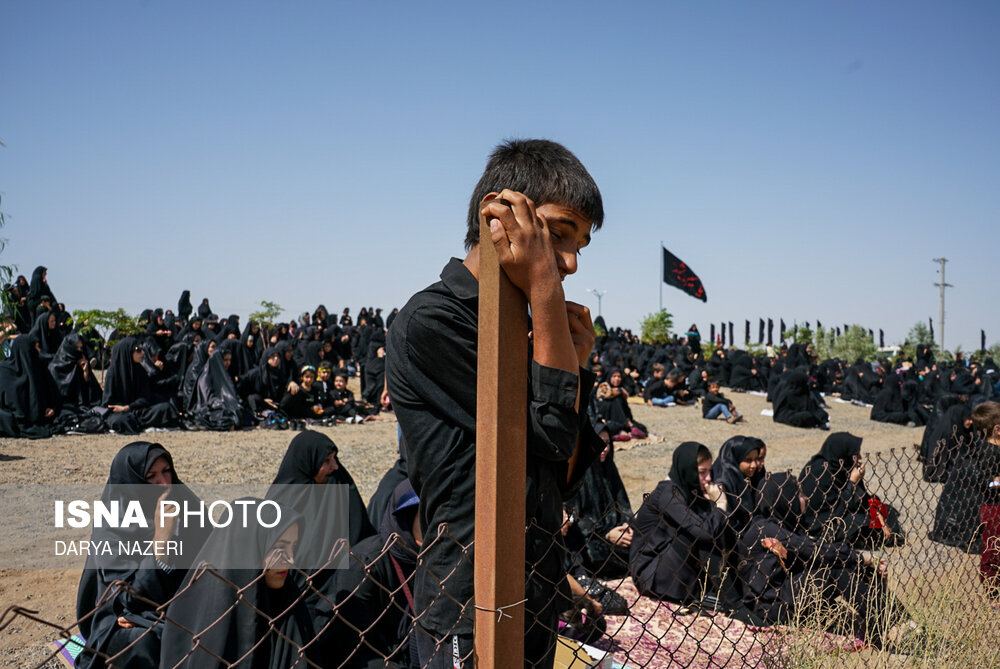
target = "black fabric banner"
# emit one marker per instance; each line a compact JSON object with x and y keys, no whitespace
{"x":818,"y":324}
{"x":711,"y":334}
{"x":881,"y":338}
{"x":722,"y":330}
{"x":760,"y":333}
{"x":838,"y":331}
{"x":781,"y":332}
{"x":676,"y":273}
{"x":732,"y":339}
{"x":982,"y":342}
{"x":746,"y":335}
{"x":931,"y":322}
{"x":770,"y":332}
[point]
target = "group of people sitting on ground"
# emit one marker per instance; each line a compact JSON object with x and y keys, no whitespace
{"x":794,"y":380}
{"x":720,"y":534}
{"x":187,"y":370}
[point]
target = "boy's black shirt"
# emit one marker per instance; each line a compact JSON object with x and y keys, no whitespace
{"x":431,"y":371}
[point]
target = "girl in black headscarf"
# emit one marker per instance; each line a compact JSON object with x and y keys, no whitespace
{"x":204,"y":309}
{"x":29,"y":398}
{"x":839,"y":507}
{"x":127,"y":622}
{"x":957,"y":464}
{"x":612,"y":408}
{"x":46,"y":331}
{"x":264,"y":386}
{"x":949,"y":441}
{"x":678,"y":528}
{"x":739,"y":469}
{"x":598,"y":542}
{"x":780,"y":564}
{"x":242,"y":612}
{"x":128,"y":393}
{"x":888,"y":406}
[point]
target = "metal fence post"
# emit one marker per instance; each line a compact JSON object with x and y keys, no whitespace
{"x":501,"y":423}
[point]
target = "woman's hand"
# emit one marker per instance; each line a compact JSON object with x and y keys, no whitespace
{"x":620,"y":535}
{"x":775,"y":546}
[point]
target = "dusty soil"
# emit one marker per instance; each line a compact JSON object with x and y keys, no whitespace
{"x":367,"y":450}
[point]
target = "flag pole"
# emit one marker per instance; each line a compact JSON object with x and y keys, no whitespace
{"x":661,"y":275}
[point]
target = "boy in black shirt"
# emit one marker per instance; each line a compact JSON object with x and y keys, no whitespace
{"x":541,"y":206}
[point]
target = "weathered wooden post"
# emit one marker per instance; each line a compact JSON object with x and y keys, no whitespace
{"x":501,"y":423}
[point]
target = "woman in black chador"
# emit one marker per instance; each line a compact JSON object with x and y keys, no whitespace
{"x":795,"y":404}
{"x":128,"y":393}
{"x":598,"y":543}
{"x":679,"y":529}
{"x":184,"y":307}
{"x":39,"y":290}
{"x":29,"y":398}
{"x":204,"y":309}
{"x":78,"y":387}
{"x":244,"y":603}
{"x":216,"y":406}
{"x":46,"y":331}
{"x":780,"y":565}
{"x":126,"y":622}
{"x":839,"y":507}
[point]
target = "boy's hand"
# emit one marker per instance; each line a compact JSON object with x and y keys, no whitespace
{"x":581,"y":329}
{"x":522,"y":241}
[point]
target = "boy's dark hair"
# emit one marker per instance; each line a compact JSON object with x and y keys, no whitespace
{"x":658,"y":367}
{"x":986,"y":416}
{"x":675,"y":375}
{"x":545,"y":172}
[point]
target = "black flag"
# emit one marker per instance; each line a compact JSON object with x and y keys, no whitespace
{"x":760,"y":333}
{"x":807,"y":325}
{"x":838,"y":331}
{"x":871,"y":334}
{"x":818,"y":325}
{"x":781,"y":332}
{"x":846,"y":328}
{"x":676,"y":273}
{"x":747,"y":335}
{"x":711,"y":334}
{"x":931,"y":321}
{"x":982,"y":342}
{"x":770,"y":332}
{"x":732,"y":339}
{"x":881,"y":338}
{"x":722,"y":334}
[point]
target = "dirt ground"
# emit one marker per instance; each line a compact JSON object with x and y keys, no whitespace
{"x":367,"y":451}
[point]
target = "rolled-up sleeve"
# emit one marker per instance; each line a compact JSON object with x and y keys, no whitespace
{"x":552,"y":414}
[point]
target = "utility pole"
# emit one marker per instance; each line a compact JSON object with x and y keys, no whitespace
{"x":599,"y":294}
{"x":942,"y":286}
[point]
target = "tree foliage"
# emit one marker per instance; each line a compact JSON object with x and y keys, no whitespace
{"x":656,"y":327}
{"x":267,"y":315}
{"x":853,"y":344}
{"x":98,"y":325}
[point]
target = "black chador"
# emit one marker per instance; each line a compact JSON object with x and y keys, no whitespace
{"x":128,"y":393}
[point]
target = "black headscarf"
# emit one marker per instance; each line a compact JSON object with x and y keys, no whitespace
{"x":74,"y":388}
{"x":27,"y":389}
{"x":726,"y":470}
{"x":39,"y":288}
{"x":684,"y":469}
{"x":127,"y":482}
{"x":125,"y":380}
{"x":48,"y":338}
{"x":779,"y":500}
{"x":215,"y":403}
{"x":233,"y":609}
{"x":837,"y":454}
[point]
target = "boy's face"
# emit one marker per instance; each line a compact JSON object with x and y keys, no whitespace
{"x":324,"y":374}
{"x":713,"y":388}
{"x":339,"y":382}
{"x":570,"y":231}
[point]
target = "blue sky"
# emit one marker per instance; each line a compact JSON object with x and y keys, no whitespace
{"x":808,"y":160}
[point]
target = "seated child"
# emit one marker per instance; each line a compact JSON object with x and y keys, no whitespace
{"x":714,"y":404}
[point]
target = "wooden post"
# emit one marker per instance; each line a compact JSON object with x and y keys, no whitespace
{"x":501,"y":442}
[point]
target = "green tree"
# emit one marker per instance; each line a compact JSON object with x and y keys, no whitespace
{"x":266,"y":317}
{"x":656,"y":327}
{"x":110,"y":326}
{"x":853,"y":344}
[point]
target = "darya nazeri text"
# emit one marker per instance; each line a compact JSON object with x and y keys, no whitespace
{"x":120,"y":548}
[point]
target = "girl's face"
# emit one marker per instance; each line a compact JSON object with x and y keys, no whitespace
{"x":704,"y":474}
{"x":329,"y":466}
{"x":280,"y":558}
{"x":160,"y":472}
{"x":274,"y":360}
{"x":137,"y":356}
{"x":227,"y":360}
{"x":52,"y":321}
{"x":307,"y":380}
{"x":211,"y":347}
{"x":616,"y":378}
{"x":752,"y":463}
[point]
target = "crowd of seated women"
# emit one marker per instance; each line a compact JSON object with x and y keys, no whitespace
{"x":186,"y":370}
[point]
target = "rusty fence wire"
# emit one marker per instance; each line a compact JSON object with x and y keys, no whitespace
{"x":903,"y":561}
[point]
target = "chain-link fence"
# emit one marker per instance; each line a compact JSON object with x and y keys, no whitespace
{"x":899,"y":564}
